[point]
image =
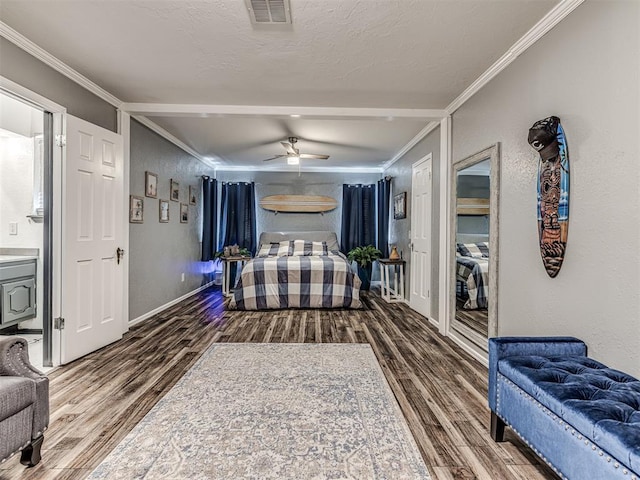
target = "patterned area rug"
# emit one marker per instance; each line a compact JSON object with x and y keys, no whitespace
{"x":273,"y":411}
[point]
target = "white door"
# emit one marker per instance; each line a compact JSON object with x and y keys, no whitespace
{"x":419,"y":298}
{"x":92,"y":232}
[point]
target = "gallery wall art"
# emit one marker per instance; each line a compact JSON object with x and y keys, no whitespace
{"x":136,"y":209}
{"x":164,"y":211}
{"x":175,"y":190}
{"x":400,"y":206}
{"x":151,"y":185}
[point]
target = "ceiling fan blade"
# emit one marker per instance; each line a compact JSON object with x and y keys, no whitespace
{"x":274,"y":158}
{"x":311,"y":155}
{"x":289,"y":148}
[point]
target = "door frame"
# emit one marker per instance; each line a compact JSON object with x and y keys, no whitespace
{"x":56,"y":233}
{"x":124,"y":129}
{"x":426,"y":159}
{"x":444,"y":274}
{"x":52,"y":255}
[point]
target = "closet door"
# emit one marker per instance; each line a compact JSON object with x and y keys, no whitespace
{"x":421,"y":191}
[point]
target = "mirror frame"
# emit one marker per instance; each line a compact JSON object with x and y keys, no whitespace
{"x":492,"y":154}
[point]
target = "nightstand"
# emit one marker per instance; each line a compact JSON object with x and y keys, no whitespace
{"x":226,"y":263}
{"x":392,"y":292}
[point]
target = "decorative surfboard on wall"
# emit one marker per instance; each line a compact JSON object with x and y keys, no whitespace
{"x":298,"y":203}
{"x":547,"y":137}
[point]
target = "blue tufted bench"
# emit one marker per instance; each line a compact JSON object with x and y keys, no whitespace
{"x":579,"y":416}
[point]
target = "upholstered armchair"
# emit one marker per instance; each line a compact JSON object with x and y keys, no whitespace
{"x":24,"y":403}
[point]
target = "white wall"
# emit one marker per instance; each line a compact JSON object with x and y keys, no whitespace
{"x":586,"y":71}
{"x":16,"y":202}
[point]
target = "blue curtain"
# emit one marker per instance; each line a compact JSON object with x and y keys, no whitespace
{"x":383,"y":196}
{"x":238,"y":212}
{"x":358,"y":216}
{"x":209,"y":217}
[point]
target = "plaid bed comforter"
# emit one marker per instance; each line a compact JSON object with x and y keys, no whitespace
{"x":323,"y":281}
{"x":475,"y":273}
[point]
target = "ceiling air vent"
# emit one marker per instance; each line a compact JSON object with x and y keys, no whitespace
{"x":269,"y":11}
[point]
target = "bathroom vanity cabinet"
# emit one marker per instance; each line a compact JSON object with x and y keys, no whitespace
{"x":17,"y":289}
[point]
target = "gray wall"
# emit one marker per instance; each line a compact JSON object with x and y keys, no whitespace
{"x":20,"y":67}
{"x":585,"y":71}
{"x":399,"y":230}
{"x":159,"y":253}
{"x":309,"y":183}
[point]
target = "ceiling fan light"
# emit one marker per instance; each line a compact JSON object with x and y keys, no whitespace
{"x":293,"y":160}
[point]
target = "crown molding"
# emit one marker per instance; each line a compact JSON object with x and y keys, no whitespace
{"x":176,"y":141}
{"x":431,"y":126}
{"x":48,"y":59}
{"x":199,"y":110}
{"x":45,"y":57}
{"x":293,"y":168}
{"x":32,"y":49}
{"x":550,"y":20}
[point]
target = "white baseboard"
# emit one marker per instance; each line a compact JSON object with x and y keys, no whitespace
{"x":155,"y":311}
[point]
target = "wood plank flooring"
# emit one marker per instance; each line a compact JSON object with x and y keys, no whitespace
{"x":96,"y":401}
{"x":476,"y":320}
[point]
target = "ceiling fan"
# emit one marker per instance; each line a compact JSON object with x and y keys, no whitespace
{"x":293,"y":155}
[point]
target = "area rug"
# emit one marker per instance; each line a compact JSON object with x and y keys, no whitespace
{"x":273,"y":411}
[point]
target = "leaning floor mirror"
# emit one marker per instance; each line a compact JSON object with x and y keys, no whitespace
{"x":474,"y":264}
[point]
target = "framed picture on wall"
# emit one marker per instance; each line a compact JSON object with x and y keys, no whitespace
{"x":184,"y":213}
{"x":400,"y":206}
{"x":164,"y":211}
{"x":175,"y":191}
{"x":192,"y":195}
{"x":136,"y":209}
{"x":151,"y":185}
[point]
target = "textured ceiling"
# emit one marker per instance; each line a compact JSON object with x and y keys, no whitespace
{"x":337,"y":53}
{"x":248,"y":141}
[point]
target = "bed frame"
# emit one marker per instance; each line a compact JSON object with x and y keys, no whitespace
{"x":298,"y":281}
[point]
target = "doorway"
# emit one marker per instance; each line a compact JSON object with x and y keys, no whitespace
{"x":26,"y":139}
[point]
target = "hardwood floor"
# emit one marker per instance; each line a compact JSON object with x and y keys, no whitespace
{"x":476,"y":320}
{"x":97,"y":400}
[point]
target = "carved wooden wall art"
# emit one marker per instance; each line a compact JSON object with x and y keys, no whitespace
{"x":547,"y":137}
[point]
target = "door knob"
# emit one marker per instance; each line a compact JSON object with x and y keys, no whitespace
{"x":119,"y":254}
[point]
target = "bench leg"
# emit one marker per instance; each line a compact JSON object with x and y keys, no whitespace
{"x":497,"y":428}
{"x":31,"y":455}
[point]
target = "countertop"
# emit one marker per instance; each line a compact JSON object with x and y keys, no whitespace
{"x":16,"y":258}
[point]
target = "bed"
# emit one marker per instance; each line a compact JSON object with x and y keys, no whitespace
{"x":472,"y":274}
{"x":297,"y":270}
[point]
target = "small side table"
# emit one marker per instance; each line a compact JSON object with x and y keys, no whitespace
{"x":389,"y":294}
{"x":226,"y":263}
